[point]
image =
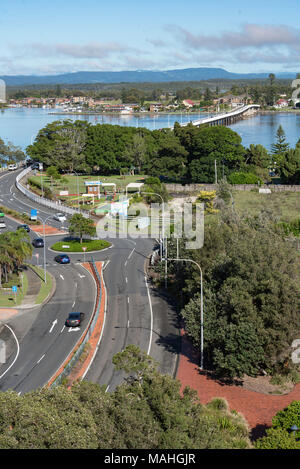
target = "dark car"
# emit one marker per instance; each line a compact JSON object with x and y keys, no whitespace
{"x":62,"y":259}
{"x":25,"y":227}
{"x":35,"y":166}
{"x":74,"y":319}
{"x":38,"y":243}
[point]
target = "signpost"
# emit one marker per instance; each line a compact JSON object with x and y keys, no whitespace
{"x":33,"y":214}
{"x":14,"y":290}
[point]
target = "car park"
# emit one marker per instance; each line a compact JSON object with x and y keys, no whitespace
{"x":74,"y":319}
{"x":25,"y":227}
{"x":59,"y":217}
{"x":62,"y":259}
{"x":38,"y":242}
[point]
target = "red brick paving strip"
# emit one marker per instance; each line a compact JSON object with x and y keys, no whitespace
{"x":258,"y":409}
{"x":79,"y":369}
{"x":49,"y":230}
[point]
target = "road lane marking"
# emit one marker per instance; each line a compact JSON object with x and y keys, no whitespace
{"x":126,"y":280}
{"x":131,"y":253}
{"x":62,"y":329}
{"x":151,"y":314}
{"x":73,"y":304}
{"x":53,"y":324}
{"x":40,"y":359}
{"x":61,"y":277}
{"x":18,"y":351}
{"x":125,"y":263}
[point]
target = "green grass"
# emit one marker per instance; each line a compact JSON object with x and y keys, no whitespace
{"x":45,"y":287}
{"x":71,"y":182}
{"x":9,"y":299}
{"x":76,"y":246}
{"x":284,"y":205}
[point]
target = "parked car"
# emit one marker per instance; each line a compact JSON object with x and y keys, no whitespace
{"x":2,"y":215}
{"x":12,"y":167}
{"x":62,"y":259}
{"x":74,"y":319}
{"x":25,"y":227}
{"x":59,"y":217}
{"x":38,"y":242}
{"x":2,"y":224}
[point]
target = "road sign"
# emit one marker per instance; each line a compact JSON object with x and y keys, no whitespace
{"x":84,"y":248}
{"x":33,"y":214}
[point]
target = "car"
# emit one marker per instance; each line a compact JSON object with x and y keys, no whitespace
{"x":62,"y":259}
{"x":74,"y":319}
{"x":38,"y":242}
{"x":12,"y":167}
{"x":35,"y":166}
{"x":2,"y":215}
{"x":2,"y":224}
{"x":59,"y":217}
{"x":24,"y":227}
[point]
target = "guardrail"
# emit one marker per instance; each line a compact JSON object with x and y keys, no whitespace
{"x":46,"y":202}
{"x":88,"y":332}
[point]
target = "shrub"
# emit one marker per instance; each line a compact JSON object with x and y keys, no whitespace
{"x":243,"y":178}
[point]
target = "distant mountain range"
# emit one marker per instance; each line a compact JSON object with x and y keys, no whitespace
{"x":137,"y":76}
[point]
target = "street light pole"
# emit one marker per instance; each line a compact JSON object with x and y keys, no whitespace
{"x":44,"y":236}
{"x":201,"y":306}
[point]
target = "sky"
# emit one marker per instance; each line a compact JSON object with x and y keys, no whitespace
{"x":39,"y":37}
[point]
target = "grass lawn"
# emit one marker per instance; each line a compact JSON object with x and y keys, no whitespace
{"x":7,"y":298}
{"x":285,"y":205}
{"x":76,"y":246}
{"x":45,"y":287}
{"x":70,"y":183}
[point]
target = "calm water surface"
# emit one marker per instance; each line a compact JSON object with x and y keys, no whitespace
{"x":21,"y":125}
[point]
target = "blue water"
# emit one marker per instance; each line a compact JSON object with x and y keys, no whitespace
{"x":21,"y":125}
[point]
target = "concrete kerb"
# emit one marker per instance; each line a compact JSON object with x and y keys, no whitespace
{"x":96,"y":331}
{"x":81,"y":253}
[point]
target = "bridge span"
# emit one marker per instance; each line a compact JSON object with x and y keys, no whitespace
{"x":226,"y":118}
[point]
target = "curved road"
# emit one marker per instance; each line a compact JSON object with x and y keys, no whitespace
{"x":135,"y":314}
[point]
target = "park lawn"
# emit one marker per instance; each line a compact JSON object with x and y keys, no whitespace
{"x":284,"y":205}
{"x":70,"y":183}
{"x":45,"y":287}
{"x":76,"y":246}
{"x":9,"y":299}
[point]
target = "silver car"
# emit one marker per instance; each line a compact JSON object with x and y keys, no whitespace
{"x":60,"y":217}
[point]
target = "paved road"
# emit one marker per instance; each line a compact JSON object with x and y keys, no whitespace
{"x":135,"y":315}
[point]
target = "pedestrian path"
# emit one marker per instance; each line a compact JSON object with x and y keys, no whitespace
{"x":258,"y":409}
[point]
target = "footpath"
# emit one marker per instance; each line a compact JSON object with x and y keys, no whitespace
{"x":258,"y":409}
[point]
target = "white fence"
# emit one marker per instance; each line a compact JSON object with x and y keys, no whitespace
{"x":58,"y":207}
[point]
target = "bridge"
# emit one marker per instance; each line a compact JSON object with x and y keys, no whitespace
{"x":226,"y":118}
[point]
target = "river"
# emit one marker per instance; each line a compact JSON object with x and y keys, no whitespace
{"x":21,"y":125}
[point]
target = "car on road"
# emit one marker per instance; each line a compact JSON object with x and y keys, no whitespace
{"x":38,"y":242}
{"x":59,"y":217}
{"x":2,"y":215}
{"x":25,"y":227}
{"x":2,"y":224}
{"x":62,"y":259}
{"x":74,"y":319}
{"x":12,"y":167}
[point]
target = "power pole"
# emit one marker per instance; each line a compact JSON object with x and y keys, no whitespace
{"x":216,"y":174}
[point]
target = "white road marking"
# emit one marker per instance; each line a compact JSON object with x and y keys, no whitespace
{"x":151,"y":315}
{"x":126,"y":280}
{"x":73,"y":304}
{"x":81,"y":276}
{"x":61,"y":277}
{"x":62,"y":329}
{"x":128,"y":299}
{"x":40,"y":359}
{"x":71,"y":329}
{"x":18,"y":351}
{"x":53,"y":324}
{"x":131,"y":253}
{"x":128,"y":324}
{"x":125,"y":263}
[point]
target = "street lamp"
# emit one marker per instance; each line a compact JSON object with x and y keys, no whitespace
{"x":44,"y":236}
{"x":201,"y":305}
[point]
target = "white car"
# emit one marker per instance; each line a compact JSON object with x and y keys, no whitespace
{"x":2,"y":224}
{"x":12,"y":167}
{"x":60,"y":217}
